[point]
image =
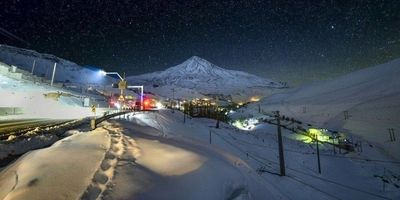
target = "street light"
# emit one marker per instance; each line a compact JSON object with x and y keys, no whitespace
{"x":104,"y":73}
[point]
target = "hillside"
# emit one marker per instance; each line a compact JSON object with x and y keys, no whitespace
{"x":364,"y":103}
{"x":66,"y":71}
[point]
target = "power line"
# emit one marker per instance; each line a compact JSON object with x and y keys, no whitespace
{"x":312,"y":153}
{"x":252,"y":156}
{"x":263,"y":163}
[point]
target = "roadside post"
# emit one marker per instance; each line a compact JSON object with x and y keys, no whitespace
{"x":93,"y":121}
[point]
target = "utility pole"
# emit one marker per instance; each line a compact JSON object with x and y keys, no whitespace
{"x":319,"y":163}
{"x":392,"y":135}
{"x":216,"y":103}
{"x":333,"y":139}
{"x":54,"y":73}
{"x":281,"y":158}
{"x":346,"y":115}
{"x":33,"y":66}
{"x":210,"y":136}
{"x":184,"y":112}
{"x":173,"y":100}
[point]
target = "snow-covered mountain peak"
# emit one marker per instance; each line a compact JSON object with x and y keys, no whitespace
{"x":196,"y":65}
{"x":201,"y":76}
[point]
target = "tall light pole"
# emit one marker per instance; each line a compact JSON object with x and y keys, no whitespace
{"x":104,"y":73}
{"x":115,"y":73}
{"x":216,"y":105}
{"x":54,"y":73}
{"x":33,"y":66}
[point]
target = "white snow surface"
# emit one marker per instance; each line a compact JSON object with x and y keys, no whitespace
{"x":61,"y":171}
{"x":157,"y":156}
{"x":132,"y":161}
{"x":203,"y":78}
{"x":344,"y":176}
{"x":370,"y":97}
{"x":31,"y":99}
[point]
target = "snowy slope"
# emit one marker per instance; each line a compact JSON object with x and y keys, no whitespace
{"x":66,"y":70}
{"x":26,"y":98}
{"x":344,"y":176}
{"x":155,"y":155}
{"x":31,"y":99}
{"x":365,"y":103}
{"x":201,"y":76}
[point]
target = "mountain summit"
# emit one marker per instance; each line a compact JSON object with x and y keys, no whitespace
{"x":195,"y":65}
{"x":201,"y":76}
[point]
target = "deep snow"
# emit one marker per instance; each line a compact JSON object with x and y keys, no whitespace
{"x":156,"y":155}
{"x":124,"y":160}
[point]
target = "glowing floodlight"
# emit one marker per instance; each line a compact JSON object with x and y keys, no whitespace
{"x":102,"y":73}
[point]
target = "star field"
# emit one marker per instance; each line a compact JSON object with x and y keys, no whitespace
{"x":268,"y":38}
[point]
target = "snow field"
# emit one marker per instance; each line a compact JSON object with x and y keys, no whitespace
{"x":351,"y":175}
{"x":363,"y":104}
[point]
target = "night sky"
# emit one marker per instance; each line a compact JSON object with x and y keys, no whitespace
{"x":315,"y":39}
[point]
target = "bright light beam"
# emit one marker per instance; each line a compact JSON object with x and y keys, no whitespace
{"x":102,"y":73}
{"x":115,"y":73}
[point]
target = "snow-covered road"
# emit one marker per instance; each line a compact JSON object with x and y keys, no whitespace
{"x":125,"y":160}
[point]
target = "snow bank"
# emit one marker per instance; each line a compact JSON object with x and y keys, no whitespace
{"x":61,"y":171}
